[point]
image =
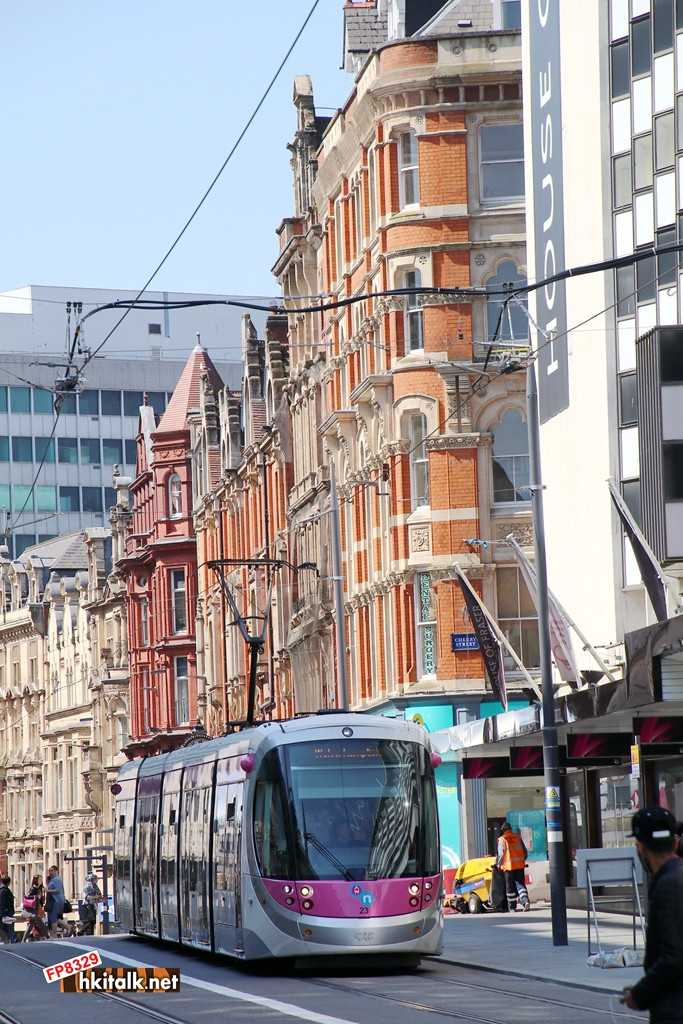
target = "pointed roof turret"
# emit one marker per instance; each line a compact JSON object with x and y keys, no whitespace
{"x":187,"y":390}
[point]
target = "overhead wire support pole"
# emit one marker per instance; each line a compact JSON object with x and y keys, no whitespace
{"x":551,"y":767}
{"x":255,"y":643}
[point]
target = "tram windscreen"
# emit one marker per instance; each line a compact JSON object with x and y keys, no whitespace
{"x":348,"y":809}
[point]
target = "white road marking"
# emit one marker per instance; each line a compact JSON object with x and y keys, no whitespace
{"x":232,"y":993}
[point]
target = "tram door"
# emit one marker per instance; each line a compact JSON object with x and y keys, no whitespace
{"x":227,"y":911}
{"x":146,"y":823}
{"x":195,"y":836}
{"x":123,"y":853}
{"x":168,"y":856}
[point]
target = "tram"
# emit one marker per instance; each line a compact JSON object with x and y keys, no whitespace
{"x":312,"y":837}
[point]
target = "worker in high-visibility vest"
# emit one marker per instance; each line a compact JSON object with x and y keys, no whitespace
{"x":511,"y":859}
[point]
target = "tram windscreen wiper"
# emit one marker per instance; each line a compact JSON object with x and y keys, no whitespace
{"x":328,"y":855}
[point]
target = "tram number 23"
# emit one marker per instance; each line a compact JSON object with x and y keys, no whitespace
{"x":366,"y":899}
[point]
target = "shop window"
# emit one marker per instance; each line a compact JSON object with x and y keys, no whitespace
{"x":617,"y":795}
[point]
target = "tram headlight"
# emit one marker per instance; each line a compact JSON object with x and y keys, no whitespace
{"x":287,"y":889}
{"x":290,"y":901}
{"x":414,"y":888}
{"x":306,"y":890}
{"x":428,"y":885}
{"x":347,"y":731}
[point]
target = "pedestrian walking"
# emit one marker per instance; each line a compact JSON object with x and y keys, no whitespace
{"x":54,"y":903}
{"x":88,"y":908}
{"x":660,"y":990}
{"x":511,"y":859}
{"x":34,"y":903}
{"x":6,"y":910}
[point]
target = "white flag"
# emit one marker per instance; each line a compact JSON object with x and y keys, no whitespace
{"x":560,"y":637}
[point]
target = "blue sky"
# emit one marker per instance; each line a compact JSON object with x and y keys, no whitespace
{"x":119,"y":115}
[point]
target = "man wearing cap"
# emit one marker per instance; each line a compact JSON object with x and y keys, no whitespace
{"x":511,"y":859}
{"x":660,"y":990}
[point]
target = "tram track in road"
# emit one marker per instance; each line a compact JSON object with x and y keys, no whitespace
{"x":430,"y":992}
{"x":111,"y":997}
{"x":459,"y":1014}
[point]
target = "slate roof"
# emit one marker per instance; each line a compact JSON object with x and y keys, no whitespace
{"x":187,"y":390}
{"x":365,"y":29}
{"x":61,"y":554}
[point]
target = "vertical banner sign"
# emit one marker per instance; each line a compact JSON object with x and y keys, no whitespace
{"x":427,"y":616}
{"x":548,"y":205}
{"x":489,"y":644}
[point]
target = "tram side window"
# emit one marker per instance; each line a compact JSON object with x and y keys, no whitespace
{"x":221,"y":838}
{"x":122,"y":849}
{"x":430,"y":852}
{"x":168,"y":852}
{"x":270,"y":835}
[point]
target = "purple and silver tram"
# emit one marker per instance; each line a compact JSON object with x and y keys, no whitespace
{"x":316,"y":836}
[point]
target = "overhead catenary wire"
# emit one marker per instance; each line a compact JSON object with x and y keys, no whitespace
{"x":208,"y":191}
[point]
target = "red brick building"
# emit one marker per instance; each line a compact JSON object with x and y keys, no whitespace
{"x":409,"y":215}
{"x":408,"y":222}
{"x":159,"y":569}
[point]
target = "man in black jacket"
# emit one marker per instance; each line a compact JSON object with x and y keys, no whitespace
{"x":660,"y":990}
{"x":6,"y":910}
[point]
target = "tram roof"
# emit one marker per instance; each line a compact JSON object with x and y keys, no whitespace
{"x":251,"y":739}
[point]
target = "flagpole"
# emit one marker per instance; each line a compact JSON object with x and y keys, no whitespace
{"x":551,"y":766}
{"x":570,"y":622}
{"x":494,"y":626}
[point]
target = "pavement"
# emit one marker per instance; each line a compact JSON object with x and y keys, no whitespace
{"x":522,"y":944}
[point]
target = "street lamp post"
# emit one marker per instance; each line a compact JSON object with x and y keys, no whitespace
{"x":551,"y":769}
